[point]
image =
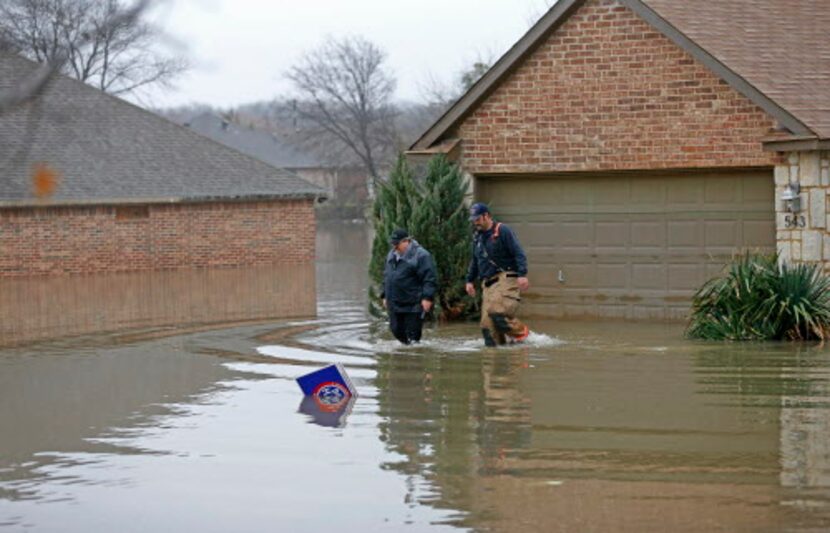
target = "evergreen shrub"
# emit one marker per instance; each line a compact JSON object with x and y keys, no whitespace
{"x":435,"y":212}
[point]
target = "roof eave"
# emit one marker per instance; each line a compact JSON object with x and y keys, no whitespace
{"x":795,"y":143}
{"x":97,"y":202}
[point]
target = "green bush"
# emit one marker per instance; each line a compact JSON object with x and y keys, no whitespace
{"x":434,"y":211}
{"x":759,"y":299}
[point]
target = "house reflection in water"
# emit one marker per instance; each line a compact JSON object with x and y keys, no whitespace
{"x":33,"y":309}
{"x":724,"y":437}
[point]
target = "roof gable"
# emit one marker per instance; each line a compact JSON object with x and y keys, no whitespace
{"x":563,"y":9}
{"x":108,"y":150}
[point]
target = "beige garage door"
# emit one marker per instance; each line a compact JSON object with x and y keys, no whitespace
{"x":630,"y":246}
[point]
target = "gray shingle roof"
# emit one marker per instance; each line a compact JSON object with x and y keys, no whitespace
{"x":108,"y":150}
{"x":256,"y":143}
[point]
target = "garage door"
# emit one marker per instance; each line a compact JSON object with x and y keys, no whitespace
{"x":630,"y":246}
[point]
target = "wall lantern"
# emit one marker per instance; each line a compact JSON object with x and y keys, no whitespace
{"x":791,"y":198}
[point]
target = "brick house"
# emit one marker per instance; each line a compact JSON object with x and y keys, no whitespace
{"x":636,"y":145}
{"x":135,"y":191}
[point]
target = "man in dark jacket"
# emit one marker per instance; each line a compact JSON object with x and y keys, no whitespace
{"x":501,"y":265}
{"x":408,"y":286}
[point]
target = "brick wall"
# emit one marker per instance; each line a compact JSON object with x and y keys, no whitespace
{"x":608,"y":91}
{"x":63,"y":240}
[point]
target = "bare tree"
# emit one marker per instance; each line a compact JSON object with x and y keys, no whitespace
{"x":345,"y":95}
{"x":440,"y":96}
{"x":91,"y":40}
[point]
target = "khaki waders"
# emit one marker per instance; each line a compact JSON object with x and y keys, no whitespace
{"x":499,"y":306}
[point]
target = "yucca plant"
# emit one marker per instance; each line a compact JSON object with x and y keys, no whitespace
{"x":759,"y":299}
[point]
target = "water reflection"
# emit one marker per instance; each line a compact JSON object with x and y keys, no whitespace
{"x":326,"y":415}
{"x":58,"y":410}
{"x":627,"y":429}
{"x":39,"y":308}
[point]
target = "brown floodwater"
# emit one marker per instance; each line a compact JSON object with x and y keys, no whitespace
{"x":174,"y":408}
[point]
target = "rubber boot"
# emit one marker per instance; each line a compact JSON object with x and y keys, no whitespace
{"x":500,"y":321}
{"x":488,"y":339}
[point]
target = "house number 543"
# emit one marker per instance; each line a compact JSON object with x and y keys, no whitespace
{"x":795,"y":221}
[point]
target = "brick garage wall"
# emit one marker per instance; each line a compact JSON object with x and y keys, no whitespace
{"x":64,"y":240}
{"x":607,"y":91}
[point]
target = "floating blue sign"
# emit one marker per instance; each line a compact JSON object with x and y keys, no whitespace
{"x":330,"y":387}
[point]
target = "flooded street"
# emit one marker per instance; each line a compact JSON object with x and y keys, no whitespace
{"x":194,"y":425}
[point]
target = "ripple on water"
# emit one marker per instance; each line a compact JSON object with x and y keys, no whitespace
{"x":361,"y":339}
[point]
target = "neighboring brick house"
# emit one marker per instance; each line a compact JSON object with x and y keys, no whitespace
{"x":346,"y":186}
{"x":636,"y":145}
{"x":136,"y":191}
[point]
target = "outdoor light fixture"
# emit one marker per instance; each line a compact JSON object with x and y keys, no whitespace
{"x":791,"y":198}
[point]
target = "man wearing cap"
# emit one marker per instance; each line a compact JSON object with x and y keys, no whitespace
{"x":408,"y":286}
{"x":501,"y":265}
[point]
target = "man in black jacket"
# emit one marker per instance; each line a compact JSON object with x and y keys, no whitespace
{"x":408,"y":286}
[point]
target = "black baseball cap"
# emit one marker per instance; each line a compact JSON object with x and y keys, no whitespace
{"x":397,"y":236}
{"x":478,"y":209}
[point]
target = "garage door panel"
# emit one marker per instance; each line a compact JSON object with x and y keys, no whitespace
{"x":648,"y":276}
{"x":611,"y":194}
{"x":683,"y":192}
{"x":576,"y":234}
{"x":722,"y":190}
{"x":754,"y":197}
{"x":685,"y":234}
{"x":648,"y":234}
{"x":613,"y":276}
{"x":756,"y":232}
{"x":647,"y":192}
{"x":577,"y":193}
{"x":720,"y":233}
{"x":614,"y":234}
{"x":685,"y":277}
{"x":631,"y":246}
{"x":579,"y":275}
{"x":539,"y":233}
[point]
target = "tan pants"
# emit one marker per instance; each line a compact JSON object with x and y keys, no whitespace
{"x":501,"y":299}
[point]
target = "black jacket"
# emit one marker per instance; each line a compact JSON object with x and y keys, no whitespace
{"x":409,"y":280}
{"x":493,"y":254}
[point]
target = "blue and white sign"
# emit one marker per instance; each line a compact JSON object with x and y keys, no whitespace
{"x":330,"y":387}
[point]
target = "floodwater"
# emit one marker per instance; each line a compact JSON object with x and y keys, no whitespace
{"x":193,"y":422}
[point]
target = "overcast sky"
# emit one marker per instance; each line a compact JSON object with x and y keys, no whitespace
{"x":239,"y":49}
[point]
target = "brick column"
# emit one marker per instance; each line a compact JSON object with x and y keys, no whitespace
{"x":804,"y":237}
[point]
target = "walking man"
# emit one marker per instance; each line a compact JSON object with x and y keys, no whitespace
{"x":408,"y":286}
{"x":501,"y":265}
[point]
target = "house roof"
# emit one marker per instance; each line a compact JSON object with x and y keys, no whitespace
{"x":782,"y":47}
{"x":107,"y":150}
{"x":256,"y":143}
{"x":775,"y":52}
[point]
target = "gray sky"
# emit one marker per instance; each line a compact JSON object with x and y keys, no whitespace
{"x":240,"y":49}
